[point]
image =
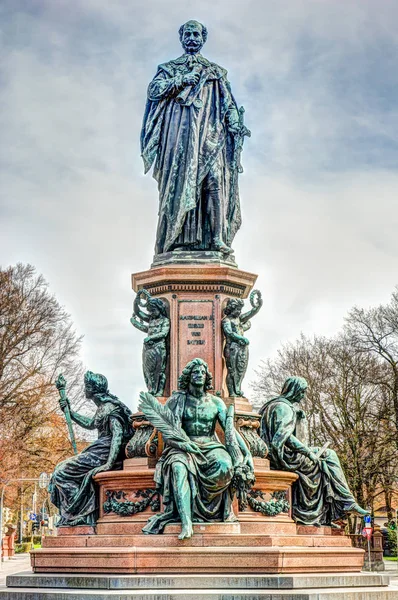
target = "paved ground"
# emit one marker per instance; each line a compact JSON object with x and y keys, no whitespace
{"x":21,"y":562}
{"x":391,"y":567}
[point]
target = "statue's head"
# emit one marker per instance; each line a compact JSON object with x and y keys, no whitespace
{"x":294,"y":389}
{"x":195,"y":373}
{"x":95,"y":383}
{"x":192,"y":36}
{"x":234,"y":307}
{"x":156,"y":307}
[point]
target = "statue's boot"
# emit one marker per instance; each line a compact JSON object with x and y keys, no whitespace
{"x":221,"y":247}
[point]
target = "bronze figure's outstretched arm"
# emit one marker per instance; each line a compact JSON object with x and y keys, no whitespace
{"x":256,"y":301}
{"x":138,"y":324}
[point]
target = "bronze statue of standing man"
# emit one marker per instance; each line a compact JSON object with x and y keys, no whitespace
{"x":193,"y":132}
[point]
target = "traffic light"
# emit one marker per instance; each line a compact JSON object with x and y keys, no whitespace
{"x":35,"y":526}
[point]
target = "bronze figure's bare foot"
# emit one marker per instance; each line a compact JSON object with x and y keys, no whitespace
{"x":186,"y":531}
{"x":357,"y":510}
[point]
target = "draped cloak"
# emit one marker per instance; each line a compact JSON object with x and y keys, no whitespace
{"x":321,"y":494}
{"x":209,"y":478}
{"x":72,"y":487}
{"x":184,"y":130}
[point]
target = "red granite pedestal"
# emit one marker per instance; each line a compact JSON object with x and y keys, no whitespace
{"x":258,"y":542}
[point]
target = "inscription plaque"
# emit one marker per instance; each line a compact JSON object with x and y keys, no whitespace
{"x":196,"y":332}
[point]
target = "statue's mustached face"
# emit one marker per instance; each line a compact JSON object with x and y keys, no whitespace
{"x":192,"y":38}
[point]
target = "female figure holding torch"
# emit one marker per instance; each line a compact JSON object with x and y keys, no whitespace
{"x":71,"y":486}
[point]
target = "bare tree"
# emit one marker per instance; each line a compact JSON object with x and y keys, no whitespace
{"x":375,"y":331}
{"x":37,"y":341}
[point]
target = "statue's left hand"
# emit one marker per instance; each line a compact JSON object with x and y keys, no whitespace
{"x":234,"y":128}
{"x":237,"y":129}
{"x":248,"y":460}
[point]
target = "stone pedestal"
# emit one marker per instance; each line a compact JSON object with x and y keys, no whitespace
{"x":9,"y":541}
{"x":265,"y":538}
{"x":256,"y":543}
{"x":195,"y":295}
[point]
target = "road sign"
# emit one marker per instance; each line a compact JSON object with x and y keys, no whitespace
{"x":32,"y":516}
{"x":367,"y":532}
{"x":367,"y":519}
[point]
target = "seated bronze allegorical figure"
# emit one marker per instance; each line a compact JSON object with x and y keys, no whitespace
{"x":72,"y":487}
{"x":195,"y":471}
{"x":321,"y":494}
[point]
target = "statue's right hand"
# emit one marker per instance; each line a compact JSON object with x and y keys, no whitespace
{"x":191,"y":79}
{"x":244,"y":342}
{"x":190,"y":447}
{"x":63,"y":402}
{"x":314,"y":457}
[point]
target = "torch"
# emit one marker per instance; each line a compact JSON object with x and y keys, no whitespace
{"x":61,"y":385}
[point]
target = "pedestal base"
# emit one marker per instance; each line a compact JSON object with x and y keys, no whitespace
{"x":257,"y":543}
{"x":199,"y":587}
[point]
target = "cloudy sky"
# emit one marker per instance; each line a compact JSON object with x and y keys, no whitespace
{"x":319,"y":82}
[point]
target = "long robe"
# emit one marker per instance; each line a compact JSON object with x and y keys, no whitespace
{"x":209,"y":479}
{"x":72,"y":488}
{"x":321,"y":494}
{"x":184,"y":129}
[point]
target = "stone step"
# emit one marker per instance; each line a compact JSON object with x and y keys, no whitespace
{"x":189,"y":594}
{"x":207,"y":587}
{"x":133,"y":526}
{"x":191,"y":559}
{"x":200,"y":540}
{"x":27,"y":579}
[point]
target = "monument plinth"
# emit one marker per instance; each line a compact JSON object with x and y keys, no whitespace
{"x":195,"y":296}
{"x":265,"y":538}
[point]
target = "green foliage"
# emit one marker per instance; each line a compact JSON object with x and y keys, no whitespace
{"x":28,"y":538}
{"x":392,"y":540}
{"x":22,"y":548}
